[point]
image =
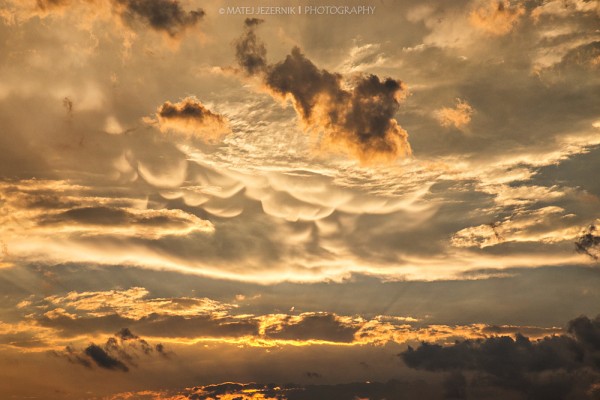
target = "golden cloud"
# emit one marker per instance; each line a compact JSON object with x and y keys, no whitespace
{"x":458,"y":117}
{"x":496,"y":17}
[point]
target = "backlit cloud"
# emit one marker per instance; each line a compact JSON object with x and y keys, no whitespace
{"x":520,"y":364}
{"x":193,"y":119}
{"x":359,"y":120}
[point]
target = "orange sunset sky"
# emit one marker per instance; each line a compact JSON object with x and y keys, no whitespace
{"x":384,"y":200}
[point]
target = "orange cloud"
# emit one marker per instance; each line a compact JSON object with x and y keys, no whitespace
{"x":459,"y":117}
{"x":496,"y":17}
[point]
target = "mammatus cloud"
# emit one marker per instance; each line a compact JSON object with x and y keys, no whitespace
{"x":355,"y":114}
{"x":589,"y":243}
{"x":555,"y":367}
{"x":191,"y":118}
{"x":458,"y":117}
{"x":496,"y":17}
{"x":119,"y":353}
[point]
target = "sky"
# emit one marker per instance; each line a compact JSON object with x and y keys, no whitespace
{"x":308,"y":199}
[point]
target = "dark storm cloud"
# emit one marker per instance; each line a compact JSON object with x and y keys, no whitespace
{"x":549,"y":368}
{"x":359,"y":119}
{"x":119,"y":353}
{"x":589,"y":243}
{"x":313,"y":327}
{"x":587,"y":332}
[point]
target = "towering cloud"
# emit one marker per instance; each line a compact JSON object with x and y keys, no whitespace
{"x":354,"y":114}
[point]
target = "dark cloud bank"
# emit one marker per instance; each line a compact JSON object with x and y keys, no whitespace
{"x":555,"y":367}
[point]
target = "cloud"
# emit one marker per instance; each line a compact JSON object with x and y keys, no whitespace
{"x":259,"y":391}
{"x":191,"y":118}
{"x":133,"y":303}
{"x":519,"y":363}
{"x":323,"y":326}
{"x":49,"y":4}
{"x":77,"y":314}
{"x":583,"y":58}
{"x":355,"y":115}
{"x":459,"y":116}
{"x":103,"y":220}
{"x":119,"y":353}
{"x":589,"y":243}
{"x":250,"y":51}
{"x":161,"y":15}
{"x":496,"y":17}
{"x":103,"y":359}
{"x":166,"y":16}
{"x":547,"y":225}
{"x":587,"y":332}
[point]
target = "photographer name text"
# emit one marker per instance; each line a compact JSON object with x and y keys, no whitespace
{"x":298,"y":10}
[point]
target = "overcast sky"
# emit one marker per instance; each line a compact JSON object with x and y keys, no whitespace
{"x":190,"y":195}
